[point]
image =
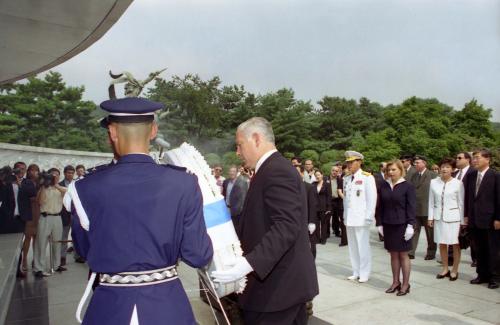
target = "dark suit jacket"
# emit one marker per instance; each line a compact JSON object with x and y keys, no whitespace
{"x":237,"y":196}
{"x":324,"y":196}
{"x":396,"y":206}
{"x":27,"y":192}
{"x":410,"y":173}
{"x":422,"y":185}
{"x":312,"y":203}
{"x":484,"y":208}
{"x":465,"y":177}
{"x":379,"y":179}
{"x":275,"y":240}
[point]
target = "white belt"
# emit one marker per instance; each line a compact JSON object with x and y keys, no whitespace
{"x":132,"y":279}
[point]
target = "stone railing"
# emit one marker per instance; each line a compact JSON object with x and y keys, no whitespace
{"x":47,"y":158}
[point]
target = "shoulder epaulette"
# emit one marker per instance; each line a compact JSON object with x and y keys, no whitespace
{"x":366,"y":173}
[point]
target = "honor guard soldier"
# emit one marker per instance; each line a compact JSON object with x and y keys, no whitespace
{"x":360,"y":200}
{"x":133,"y":221}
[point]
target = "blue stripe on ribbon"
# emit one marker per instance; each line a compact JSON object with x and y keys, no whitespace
{"x":216,"y":214}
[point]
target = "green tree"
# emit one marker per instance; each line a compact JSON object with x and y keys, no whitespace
{"x":45,"y":112}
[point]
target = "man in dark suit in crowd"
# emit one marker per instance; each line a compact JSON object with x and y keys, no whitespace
{"x":464,"y":169}
{"x":482,"y":214}
{"x":407,"y":161}
{"x":69,"y":174}
{"x":335,"y":183}
{"x":421,"y":179}
{"x":273,"y":233}
{"x":312,"y":211}
{"x":379,"y":180}
{"x":228,"y":183}
{"x":238,"y":195}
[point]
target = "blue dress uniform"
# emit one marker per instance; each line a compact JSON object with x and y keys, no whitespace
{"x":133,"y":221}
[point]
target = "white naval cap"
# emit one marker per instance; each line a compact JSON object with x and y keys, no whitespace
{"x":353,"y":155}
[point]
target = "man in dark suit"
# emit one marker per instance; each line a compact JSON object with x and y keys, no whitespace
{"x":482,"y":214}
{"x":69,"y":174}
{"x":312,"y":211}
{"x":228,"y":183}
{"x":273,"y":233}
{"x":464,"y":170}
{"x":407,"y":161}
{"x":379,"y":180}
{"x":238,"y":195}
{"x":421,"y":179}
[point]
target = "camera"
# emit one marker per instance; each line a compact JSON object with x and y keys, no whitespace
{"x":47,"y":179}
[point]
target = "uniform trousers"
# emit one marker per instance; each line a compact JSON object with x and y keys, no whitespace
{"x":429,"y":234}
{"x":295,"y":315}
{"x":48,"y":226}
{"x":64,"y":237}
{"x":360,"y":251}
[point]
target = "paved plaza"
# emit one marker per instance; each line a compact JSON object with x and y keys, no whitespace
{"x":340,"y":301}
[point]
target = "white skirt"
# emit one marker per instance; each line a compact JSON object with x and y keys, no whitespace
{"x":446,"y":232}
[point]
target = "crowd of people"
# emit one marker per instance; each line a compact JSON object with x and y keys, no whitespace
{"x":31,"y":202}
{"x":450,"y":201}
{"x":281,"y":210}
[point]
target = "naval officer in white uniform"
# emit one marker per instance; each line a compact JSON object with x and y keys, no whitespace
{"x":360,"y":200}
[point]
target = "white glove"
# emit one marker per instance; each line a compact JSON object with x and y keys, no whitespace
{"x":409,"y":232}
{"x":368,"y":222}
{"x":311,"y":227}
{"x":381,"y":230}
{"x":236,"y":272}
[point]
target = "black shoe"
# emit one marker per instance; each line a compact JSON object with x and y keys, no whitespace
{"x":441,"y":276}
{"x":453,"y":278}
{"x":429,"y":257}
{"x":412,"y":257}
{"x":393,"y":289}
{"x":338,"y":235}
{"x":61,"y":269}
{"x":492,"y":285}
{"x":80,"y":260}
{"x":478,"y":280}
{"x":342,"y":244}
{"x":38,"y":274}
{"x":402,"y":293}
{"x":473,"y":264}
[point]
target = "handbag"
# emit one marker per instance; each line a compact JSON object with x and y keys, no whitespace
{"x":464,"y":238}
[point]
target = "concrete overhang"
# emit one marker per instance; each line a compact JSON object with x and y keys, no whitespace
{"x":38,"y":35}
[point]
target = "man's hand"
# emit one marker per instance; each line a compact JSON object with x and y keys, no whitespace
{"x":368,"y":222}
{"x":496,"y":225}
{"x":311,"y":227}
{"x":409,"y":232}
{"x":430,"y":223}
{"x":236,"y":272}
{"x":380,"y":230}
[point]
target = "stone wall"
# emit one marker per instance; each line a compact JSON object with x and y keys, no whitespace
{"x":48,"y":157}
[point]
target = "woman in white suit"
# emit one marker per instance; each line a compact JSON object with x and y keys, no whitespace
{"x":446,"y":214}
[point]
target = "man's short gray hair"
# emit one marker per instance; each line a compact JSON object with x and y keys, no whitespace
{"x":257,"y":125}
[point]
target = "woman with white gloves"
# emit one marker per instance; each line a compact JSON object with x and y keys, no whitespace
{"x":446,"y":213}
{"x":396,"y":212}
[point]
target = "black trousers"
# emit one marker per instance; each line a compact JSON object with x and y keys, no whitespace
{"x":323,"y":226}
{"x":487,"y":244}
{"x":295,"y":315}
{"x":313,"y":240}
{"x":336,"y":215}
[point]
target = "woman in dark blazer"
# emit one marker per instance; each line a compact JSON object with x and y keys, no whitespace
{"x":396,"y":210}
{"x":324,"y":198}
